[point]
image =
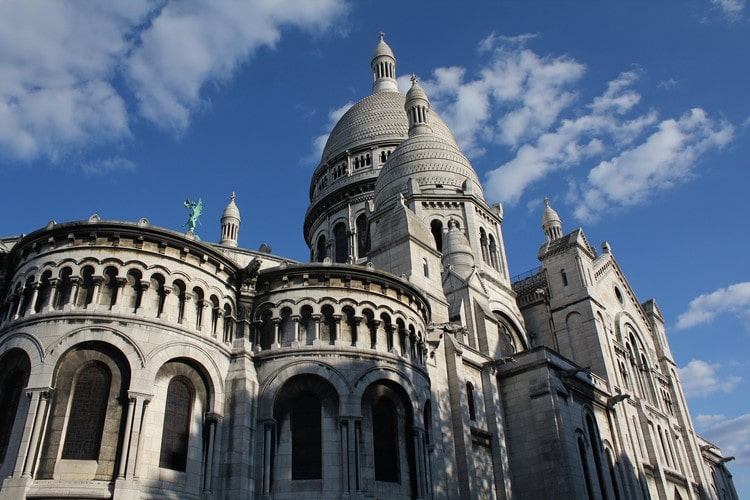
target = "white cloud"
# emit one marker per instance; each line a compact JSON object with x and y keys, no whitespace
{"x":664,"y":159}
{"x":60,"y":61}
{"x":108,"y":165}
{"x":734,"y":299}
{"x":732,"y":435}
{"x":700,"y":378}
{"x":732,"y":9}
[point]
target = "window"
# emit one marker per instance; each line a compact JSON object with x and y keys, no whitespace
{"x":362,"y":243}
{"x":176,"y":430}
{"x":307,"y":438}
{"x":436,"y":227}
{"x":385,"y":440}
{"x":564,"y":276}
{"x":10,"y":395}
{"x":585,"y":465}
{"x":320,"y":249}
{"x":341,"y":245}
{"x":470,"y":398}
{"x":87,"y":413}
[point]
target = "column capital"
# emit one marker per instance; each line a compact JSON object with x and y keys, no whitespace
{"x":134,"y":395}
{"x":213,"y":417}
{"x":44,"y":392}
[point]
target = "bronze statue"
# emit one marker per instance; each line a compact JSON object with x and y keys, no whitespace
{"x":196,"y":209}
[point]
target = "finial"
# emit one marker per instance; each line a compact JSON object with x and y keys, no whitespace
{"x":381,"y":35}
{"x":413,"y":78}
{"x":546,"y":201}
{"x":232,"y":197}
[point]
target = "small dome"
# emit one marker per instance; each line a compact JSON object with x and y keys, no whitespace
{"x":231,"y":210}
{"x":426,"y":158}
{"x":382,"y":49}
{"x":551,"y":222}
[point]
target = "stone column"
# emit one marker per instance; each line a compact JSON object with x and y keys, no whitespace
{"x":127,"y":437}
{"x":268,"y":427}
{"x":168,"y":306}
{"x":356,"y":336}
{"x":98,"y":280}
{"x":212,"y":420}
{"x":345,"y":465}
{"x":316,"y":327}
{"x":205,"y":323}
{"x":188,"y":312}
{"x":336,"y":333}
{"x":374,"y":338}
{"x":276,"y":333}
{"x":145,"y":285}
{"x":37,"y":414}
{"x":51,"y":304}
{"x":297,"y":341}
{"x":219,"y":332}
{"x":31,"y":307}
{"x":75,"y":285}
{"x":136,"y":438}
{"x":419,"y":459}
{"x":350,"y":474}
{"x":118,"y":304}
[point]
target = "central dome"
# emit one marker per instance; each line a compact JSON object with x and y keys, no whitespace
{"x":377,"y":118}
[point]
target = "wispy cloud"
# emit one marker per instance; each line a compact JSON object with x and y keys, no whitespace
{"x":68,"y":71}
{"x":734,"y":299}
{"x":732,"y":435}
{"x":700,"y":378}
{"x":530,"y":103}
{"x":732,"y":9}
{"x":108,"y":165}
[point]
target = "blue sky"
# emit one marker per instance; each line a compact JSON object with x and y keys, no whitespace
{"x":632,"y":117}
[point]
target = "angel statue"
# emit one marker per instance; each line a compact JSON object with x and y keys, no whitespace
{"x":196,"y":209}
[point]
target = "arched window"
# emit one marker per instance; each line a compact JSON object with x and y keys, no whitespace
{"x":178,"y":289}
{"x":362,"y":241}
{"x":307,"y":437}
{"x":494,"y":258}
{"x":228,"y":324}
{"x":320,"y":249}
{"x":87,"y":413}
{"x":485,"y":245}
{"x":564,"y":277}
{"x":341,"y":245}
{"x":470,"y":399}
{"x":45,"y":292}
{"x":108,"y":291}
{"x":436,"y":226}
{"x":64,"y":289}
{"x":585,"y":466}
{"x":385,"y":440}
{"x":176,"y":431}
{"x":596,"y":447}
{"x":13,"y":380}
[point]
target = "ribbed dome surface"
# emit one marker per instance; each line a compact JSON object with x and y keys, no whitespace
{"x":377,"y":117}
{"x":435,"y":163}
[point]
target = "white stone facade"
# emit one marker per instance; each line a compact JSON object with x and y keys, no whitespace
{"x":401,"y":362}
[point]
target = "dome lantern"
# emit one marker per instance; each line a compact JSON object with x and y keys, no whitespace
{"x":230,"y":224}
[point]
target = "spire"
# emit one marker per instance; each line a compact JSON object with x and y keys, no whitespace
{"x":383,"y":68}
{"x":551,"y":223}
{"x":230,"y":223}
{"x":417,"y":108}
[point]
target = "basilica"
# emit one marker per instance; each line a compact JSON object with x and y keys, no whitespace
{"x":401,"y":362}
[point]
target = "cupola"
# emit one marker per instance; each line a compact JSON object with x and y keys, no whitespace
{"x":551,"y":223}
{"x":230,"y":224}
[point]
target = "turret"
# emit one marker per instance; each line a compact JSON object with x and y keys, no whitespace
{"x":551,"y":223}
{"x":230,"y":224}
{"x":383,"y":68}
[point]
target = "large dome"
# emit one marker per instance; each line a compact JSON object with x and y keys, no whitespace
{"x":377,"y":118}
{"x":437,"y":165}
